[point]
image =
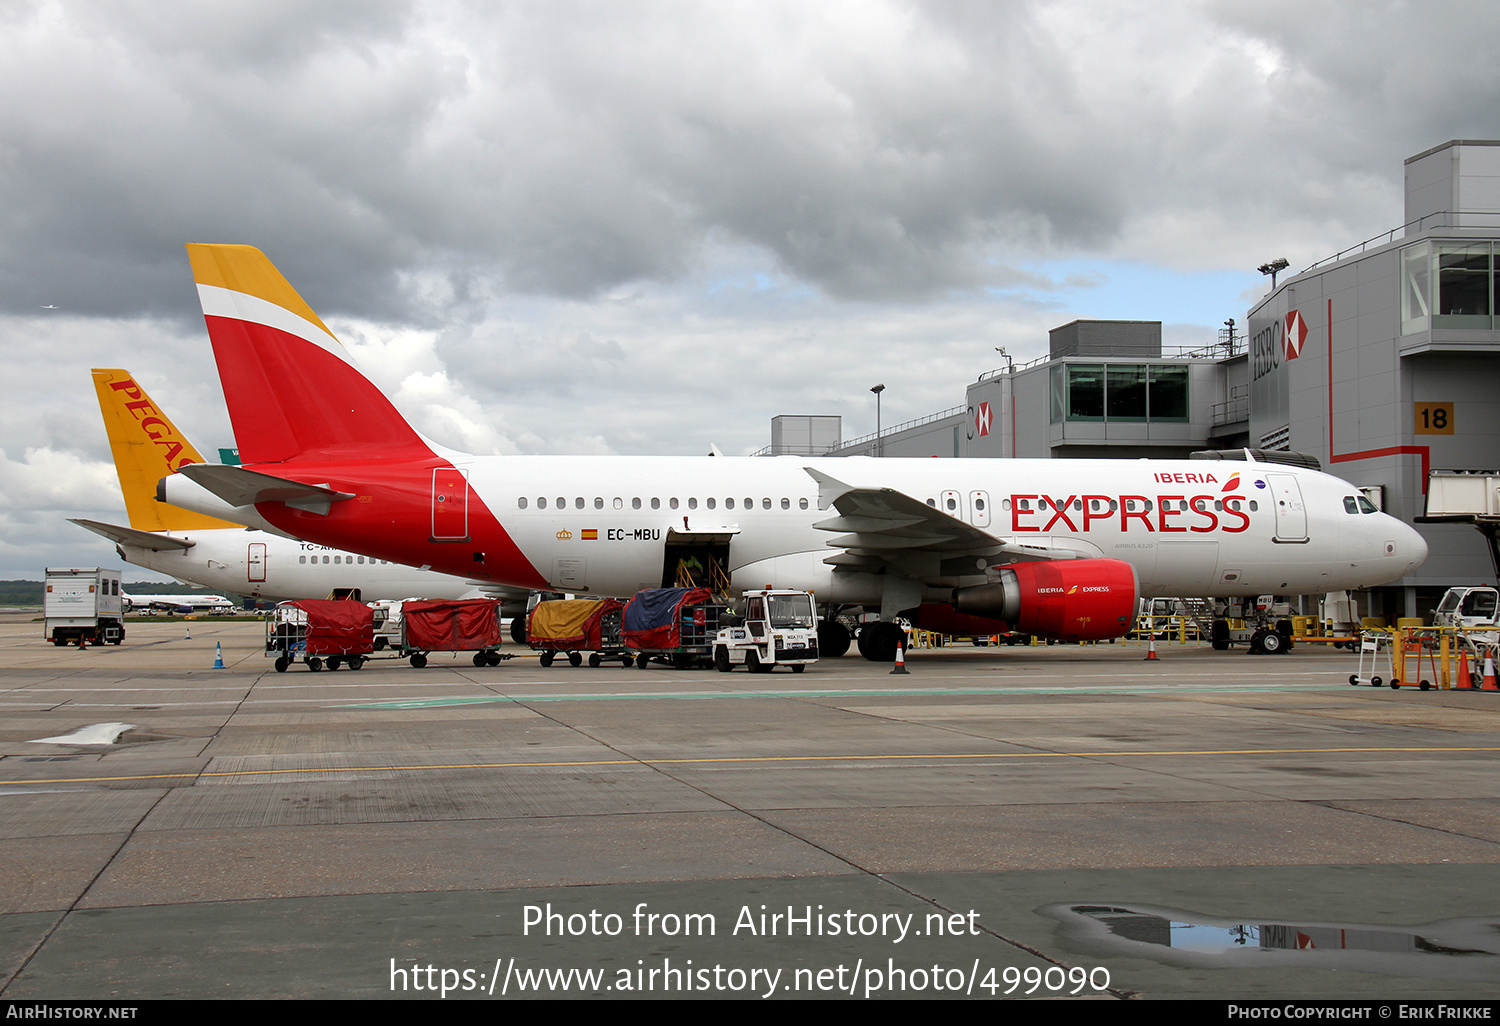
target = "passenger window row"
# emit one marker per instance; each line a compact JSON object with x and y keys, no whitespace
{"x":344,"y":559}
{"x":579,"y":502}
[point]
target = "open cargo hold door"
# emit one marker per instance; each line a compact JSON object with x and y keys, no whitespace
{"x":697,"y":558}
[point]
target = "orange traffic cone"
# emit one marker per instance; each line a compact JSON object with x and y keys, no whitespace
{"x":1464,"y":671}
{"x":1488,"y":684}
{"x":900,"y":660}
{"x":1151,"y":652}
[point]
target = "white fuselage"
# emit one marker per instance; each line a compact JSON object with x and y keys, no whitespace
{"x":1300,"y":541}
{"x":272,"y":568}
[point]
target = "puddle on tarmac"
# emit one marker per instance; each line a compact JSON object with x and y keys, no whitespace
{"x":1466,"y":948}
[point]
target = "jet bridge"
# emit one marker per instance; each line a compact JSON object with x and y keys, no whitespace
{"x":1466,"y":499}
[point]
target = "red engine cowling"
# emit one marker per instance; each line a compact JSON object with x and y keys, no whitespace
{"x":1074,"y":599}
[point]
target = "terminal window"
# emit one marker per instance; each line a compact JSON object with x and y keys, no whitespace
{"x":1447,"y":285}
{"x":1119,"y":391}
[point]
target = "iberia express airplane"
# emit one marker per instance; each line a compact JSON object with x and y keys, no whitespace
{"x":1057,"y":548}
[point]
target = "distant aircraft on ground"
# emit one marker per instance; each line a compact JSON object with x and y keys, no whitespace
{"x":190,"y":546}
{"x":177,"y":603}
{"x":1059,"y":548}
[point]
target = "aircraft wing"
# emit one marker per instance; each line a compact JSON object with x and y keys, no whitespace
{"x":240,"y":487}
{"x":130,"y":536}
{"x":879,"y":527}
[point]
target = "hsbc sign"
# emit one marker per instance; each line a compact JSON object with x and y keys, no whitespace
{"x":1276,"y":343}
{"x":983,"y":419}
{"x":1294,"y":335}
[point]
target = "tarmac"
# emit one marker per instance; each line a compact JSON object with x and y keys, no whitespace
{"x":1043,"y":822}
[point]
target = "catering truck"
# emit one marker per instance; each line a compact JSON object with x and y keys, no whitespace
{"x":82,"y":605}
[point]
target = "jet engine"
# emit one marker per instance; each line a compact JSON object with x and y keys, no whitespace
{"x":1074,"y":599}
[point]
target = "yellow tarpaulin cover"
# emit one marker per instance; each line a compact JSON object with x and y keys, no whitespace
{"x":561,"y":619}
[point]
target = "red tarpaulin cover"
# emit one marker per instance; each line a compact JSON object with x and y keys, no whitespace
{"x":338,"y":627}
{"x":458,"y":626}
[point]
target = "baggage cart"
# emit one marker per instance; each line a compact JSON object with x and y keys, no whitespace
{"x":572,"y":627}
{"x":311,"y":631}
{"x":673,"y":625}
{"x":460,"y":625}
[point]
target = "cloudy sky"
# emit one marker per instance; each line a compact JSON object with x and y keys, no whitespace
{"x":637,"y":227}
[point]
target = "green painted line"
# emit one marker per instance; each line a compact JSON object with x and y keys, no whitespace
{"x":430,"y":703}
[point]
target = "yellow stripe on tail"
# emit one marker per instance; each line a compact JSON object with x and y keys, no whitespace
{"x":146,"y":448}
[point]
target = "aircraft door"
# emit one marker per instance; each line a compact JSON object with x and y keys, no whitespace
{"x":450,"y":504}
{"x":255,"y":562}
{"x":1291,"y":514}
{"x":979,"y":509}
{"x":952,"y":503}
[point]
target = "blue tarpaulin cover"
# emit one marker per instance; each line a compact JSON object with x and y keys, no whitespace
{"x":652,"y":619}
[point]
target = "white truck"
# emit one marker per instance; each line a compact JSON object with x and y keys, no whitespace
{"x":779,"y":628}
{"x":83,"y":605}
{"x":1468,"y":608}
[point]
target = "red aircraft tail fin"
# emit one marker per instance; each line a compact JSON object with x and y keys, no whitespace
{"x":289,"y":384}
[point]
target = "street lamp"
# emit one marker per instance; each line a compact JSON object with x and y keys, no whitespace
{"x":1275,"y":266}
{"x":879,"y":446}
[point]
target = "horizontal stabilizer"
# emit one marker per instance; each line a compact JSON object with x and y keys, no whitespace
{"x":240,"y":487}
{"x":130,"y":536}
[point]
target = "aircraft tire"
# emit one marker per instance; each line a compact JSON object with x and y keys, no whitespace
{"x":518,"y":630}
{"x":878,"y":641}
{"x":833,"y":639}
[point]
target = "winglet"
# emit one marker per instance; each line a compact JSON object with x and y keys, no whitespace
{"x":830,"y":489}
{"x":146,"y":447}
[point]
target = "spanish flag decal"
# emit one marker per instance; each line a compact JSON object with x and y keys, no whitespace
{"x":591,"y":535}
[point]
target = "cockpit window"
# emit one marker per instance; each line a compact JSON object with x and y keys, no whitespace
{"x":1366,"y":506}
{"x":1351,"y":504}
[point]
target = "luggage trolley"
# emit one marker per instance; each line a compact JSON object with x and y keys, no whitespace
{"x":674,"y":625}
{"x":573,"y":626}
{"x":1371,"y":644}
{"x":460,"y":625}
{"x":310,"y":630}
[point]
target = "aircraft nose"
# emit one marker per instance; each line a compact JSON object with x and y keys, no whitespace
{"x":1408,"y":547}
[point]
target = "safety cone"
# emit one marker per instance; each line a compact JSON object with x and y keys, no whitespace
{"x":83,"y":642}
{"x":1151,"y":652}
{"x":900,"y":659}
{"x":1463,"y":670}
{"x":219,"y":657}
{"x":189,"y":635}
{"x":1488,"y":683}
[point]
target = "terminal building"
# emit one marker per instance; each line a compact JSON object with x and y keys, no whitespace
{"x":1382,"y":361}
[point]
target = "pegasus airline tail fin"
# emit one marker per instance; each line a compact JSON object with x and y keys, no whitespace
{"x":146,"y":447}
{"x":289,"y":384}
